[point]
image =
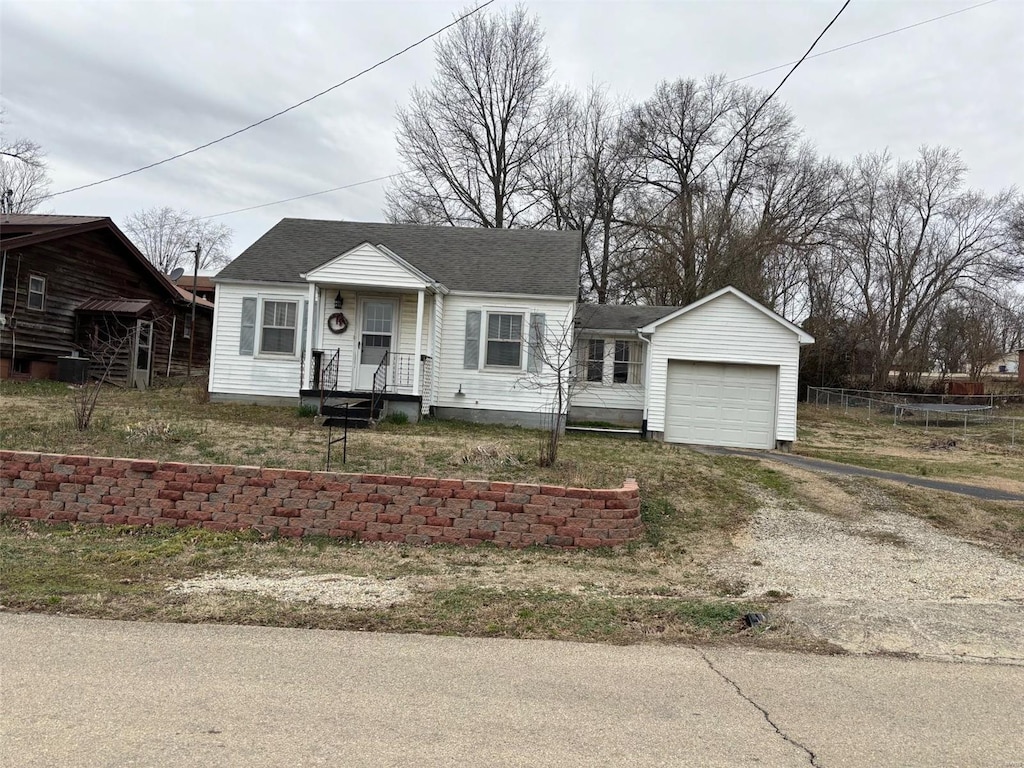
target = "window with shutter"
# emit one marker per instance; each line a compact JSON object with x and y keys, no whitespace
{"x":247,"y":337}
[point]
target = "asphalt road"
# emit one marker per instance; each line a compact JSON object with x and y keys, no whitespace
{"x":820,"y":465}
{"x":79,"y":692}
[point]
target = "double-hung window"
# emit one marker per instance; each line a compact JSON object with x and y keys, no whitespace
{"x":628,"y":367}
{"x":36,"y":292}
{"x":278,"y":329}
{"x":595,"y":360}
{"x":504,"y":340}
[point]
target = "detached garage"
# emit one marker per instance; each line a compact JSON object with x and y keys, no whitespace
{"x":723,"y":371}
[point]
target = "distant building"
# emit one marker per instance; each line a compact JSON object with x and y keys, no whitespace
{"x":205,"y":287}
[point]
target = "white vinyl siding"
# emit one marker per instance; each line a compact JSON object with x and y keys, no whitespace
{"x":492,"y":388}
{"x":233,"y":373}
{"x":726,"y":330}
{"x":366,"y":266}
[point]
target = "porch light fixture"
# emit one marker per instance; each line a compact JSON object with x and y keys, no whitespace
{"x":338,"y":301}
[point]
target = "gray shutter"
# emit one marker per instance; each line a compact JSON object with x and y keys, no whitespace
{"x":535,"y":353}
{"x":471,"y":355}
{"x":248,"y":334}
{"x":305,"y":328}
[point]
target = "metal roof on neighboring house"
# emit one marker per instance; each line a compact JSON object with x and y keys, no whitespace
{"x":187,"y":296}
{"x":463,"y":259}
{"x":115,"y":306}
{"x":203,"y":282}
{"x":36,"y":222}
{"x":618,"y":317}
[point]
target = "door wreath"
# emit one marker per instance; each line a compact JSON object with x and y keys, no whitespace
{"x":337,"y":323}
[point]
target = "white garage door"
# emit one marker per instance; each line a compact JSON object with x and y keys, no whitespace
{"x":719,"y":404}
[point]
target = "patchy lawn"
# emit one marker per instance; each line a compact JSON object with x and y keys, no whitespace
{"x":659,"y":590}
{"x":985,"y":456}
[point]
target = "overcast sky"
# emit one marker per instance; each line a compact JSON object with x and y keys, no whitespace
{"x":105,"y":87}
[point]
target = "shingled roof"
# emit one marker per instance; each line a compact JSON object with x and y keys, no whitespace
{"x":462,"y":259}
{"x":616,"y":317}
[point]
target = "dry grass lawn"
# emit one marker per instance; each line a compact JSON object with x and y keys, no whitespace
{"x":659,"y":590}
{"x":985,"y":456}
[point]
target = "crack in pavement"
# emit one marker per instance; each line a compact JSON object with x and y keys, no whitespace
{"x":810,"y":754}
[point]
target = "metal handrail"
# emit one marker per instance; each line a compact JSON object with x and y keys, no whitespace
{"x":329,"y":375}
{"x":380,"y":382}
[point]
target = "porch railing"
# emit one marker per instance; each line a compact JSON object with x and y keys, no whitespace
{"x":380,"y":383}
{"x":394,"y":373}
{"x":324,"y":375}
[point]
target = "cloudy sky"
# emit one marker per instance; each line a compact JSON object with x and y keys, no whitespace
{"x":105,"y":87}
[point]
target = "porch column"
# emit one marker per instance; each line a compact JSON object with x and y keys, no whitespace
{"x":417,"y":366}
{"x":307,"y":358}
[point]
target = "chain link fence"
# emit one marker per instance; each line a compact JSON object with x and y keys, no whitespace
{"x":992,"y":418}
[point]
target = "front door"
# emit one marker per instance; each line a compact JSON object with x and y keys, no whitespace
{"x":376,"y":338}
{"x":143,"y":357}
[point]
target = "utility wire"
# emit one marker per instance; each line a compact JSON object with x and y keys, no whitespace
{"x":267,"y":119}
{"x":729,"y":82}
{"x":867,"y":40}
{"x":757,"y":111}
{"x":309,"y":194}
{"x":768,"y":98}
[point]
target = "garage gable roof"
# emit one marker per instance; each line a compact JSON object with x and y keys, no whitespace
{"x":802,"y":335}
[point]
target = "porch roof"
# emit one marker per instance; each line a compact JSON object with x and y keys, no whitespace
{"x":460,"y":258}
{"x":134,"y":307}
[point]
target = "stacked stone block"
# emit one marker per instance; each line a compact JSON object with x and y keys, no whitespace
{"x":286,"y":502}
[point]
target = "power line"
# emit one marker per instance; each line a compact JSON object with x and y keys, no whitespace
{"x":768,"y":98}
{"x":730,"y":82}
{"x":866,"y":40}
{"x":249,"y":127}
{"x":310,"y":194}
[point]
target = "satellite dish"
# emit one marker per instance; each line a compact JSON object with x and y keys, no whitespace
{"x":176,"y":273}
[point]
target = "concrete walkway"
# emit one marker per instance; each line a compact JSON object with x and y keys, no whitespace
{"x":821,"y":465}
{"x":78,"y":692}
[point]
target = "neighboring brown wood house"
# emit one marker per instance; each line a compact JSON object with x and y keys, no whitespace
{"x":76,"y":286}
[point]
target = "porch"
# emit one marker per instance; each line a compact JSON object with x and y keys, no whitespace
{"x":370,"y":342}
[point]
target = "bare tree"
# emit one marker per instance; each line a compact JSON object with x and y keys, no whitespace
{"x":167,"y":236}
{"x":24,"y":180}
{"x":108,"y":347}
{"x":911,"y":235}
{"x":727,"y":194}
{"x":580,"y":178}
{"x":468,"y":140}
{"x":551,"y":370}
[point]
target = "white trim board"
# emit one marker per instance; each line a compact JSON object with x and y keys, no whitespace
{"x":802,"y":335}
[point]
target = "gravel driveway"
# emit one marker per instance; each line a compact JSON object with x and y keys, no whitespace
{"x":882,"y":581}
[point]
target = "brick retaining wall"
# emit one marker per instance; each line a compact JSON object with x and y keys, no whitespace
{"x":286,"y":502}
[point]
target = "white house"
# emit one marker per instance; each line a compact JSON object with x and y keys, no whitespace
{"x":439,"y":320}
{"x":480,"y":324}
